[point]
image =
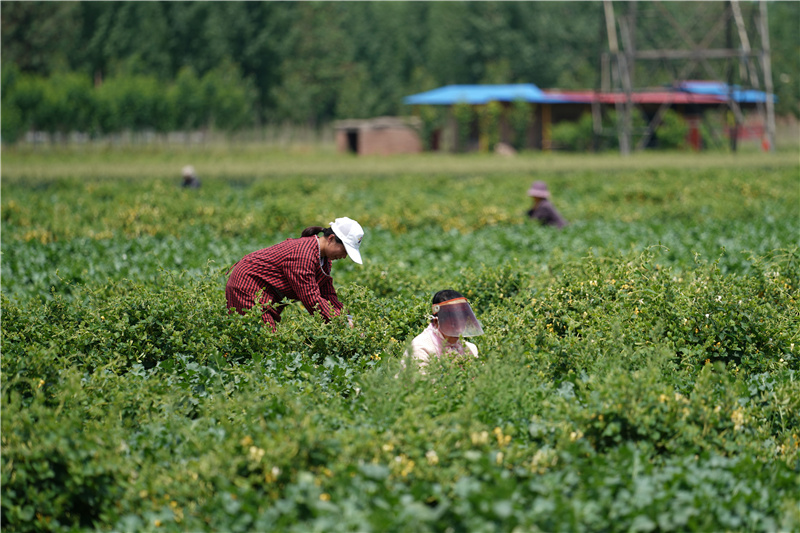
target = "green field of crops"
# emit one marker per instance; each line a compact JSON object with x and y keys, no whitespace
{"x":639,"y":369}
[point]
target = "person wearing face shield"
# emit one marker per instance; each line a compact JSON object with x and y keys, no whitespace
{"x":451,"y":319}
{"x":295,"y":269}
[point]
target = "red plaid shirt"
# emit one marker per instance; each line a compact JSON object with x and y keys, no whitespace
{"x":289,"y":269}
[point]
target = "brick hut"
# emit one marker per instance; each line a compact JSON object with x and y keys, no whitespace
{"x":382,"y":135}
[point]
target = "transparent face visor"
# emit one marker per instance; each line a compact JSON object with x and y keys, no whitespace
{"x":456,"y":319}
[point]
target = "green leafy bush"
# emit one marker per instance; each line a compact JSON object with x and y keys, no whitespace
{"x":638,"y":369}
{"x":464,"y":115}
{"x":672,"y":131}
{"x":432,"y":119}
{"x":520,"y":119}
{"x":227,"y":98}
{"x":71,"y":478}
{"x":489,"y":116}
{"x":13,"y":126}
{"x":64,"y":103}
{"x":25,"y":93}
{"x":67,"y":105}
{"x":574,"y":136}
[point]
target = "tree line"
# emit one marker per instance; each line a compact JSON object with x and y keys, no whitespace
{"x":106,"y":66}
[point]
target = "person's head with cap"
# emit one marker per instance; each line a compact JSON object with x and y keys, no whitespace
{"x":538,"y":190}
{"x":341,"y":239}
{"x":189,"y":177}
{"x":350,"y":234}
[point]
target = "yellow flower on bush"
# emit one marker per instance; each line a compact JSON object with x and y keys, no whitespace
{"x":502,"y":440}
{"x":738,"y":420}
{"x":479,"y":438}
{"x":272,"y":475}
{"x":404,"y":464}
{"x":255,"y":454}
{"x":543,"y":459}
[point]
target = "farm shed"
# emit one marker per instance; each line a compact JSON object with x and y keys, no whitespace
{"x":382,"y":135}
{"x":481,"y":95}
{"x":548,"y":107}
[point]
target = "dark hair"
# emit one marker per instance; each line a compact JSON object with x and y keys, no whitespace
{"x":315,"y":230}
{"x":445,"y":295}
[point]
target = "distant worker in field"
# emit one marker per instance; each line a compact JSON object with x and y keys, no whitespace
{"x":451,"y":318}
{"x":542,"y":209}
{"x":297,"y":269}
{"x":190,"y":179}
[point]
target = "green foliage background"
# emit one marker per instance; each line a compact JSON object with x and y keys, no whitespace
{"x":638,"y":371}
{"x":311,"y":62}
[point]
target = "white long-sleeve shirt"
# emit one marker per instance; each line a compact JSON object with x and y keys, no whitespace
{"x":431,"y":343}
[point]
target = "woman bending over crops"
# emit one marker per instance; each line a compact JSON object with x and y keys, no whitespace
{"x":542,"y":209}
{"x":297,"y":269}
{"x":451,"y":319}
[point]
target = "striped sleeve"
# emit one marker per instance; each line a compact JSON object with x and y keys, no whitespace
{"x":299,"y":270}
{"x":328,"y":291}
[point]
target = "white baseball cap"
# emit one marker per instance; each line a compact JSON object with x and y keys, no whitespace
{"x":350,"y":233}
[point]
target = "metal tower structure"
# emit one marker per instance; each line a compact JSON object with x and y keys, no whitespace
{"x":713,"y":42}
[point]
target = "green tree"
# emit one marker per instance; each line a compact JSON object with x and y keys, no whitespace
{"x":315,"y":54}
{"x":26,"y":93}
{"x":357,"y":99}
{"x":784,"y":19}
{"x":227,"y":97}
{"x":73,"y":102}
{"x":315,"y":61}
{"x":136,"y":39}
{"x":134,"y":103}
{"x":13,"y":124}
{"x":371,"y":83}
{"x":185,"y":97}
{"x":40,"y":37}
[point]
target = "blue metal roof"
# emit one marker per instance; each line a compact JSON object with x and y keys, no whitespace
{"x":720,"y":89}
{"x":482,"y":94}
{"x":528,"y":92}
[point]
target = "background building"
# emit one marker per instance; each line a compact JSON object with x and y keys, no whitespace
{"x":546,"y":108}
{"x":382,"y":136}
